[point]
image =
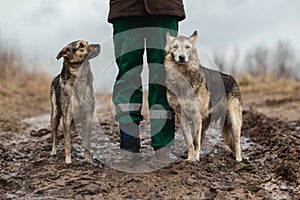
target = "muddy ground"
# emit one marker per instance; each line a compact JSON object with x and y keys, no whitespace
{"x":270,"y":169}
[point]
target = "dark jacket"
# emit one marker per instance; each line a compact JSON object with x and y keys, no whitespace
{"x":126,"y":8}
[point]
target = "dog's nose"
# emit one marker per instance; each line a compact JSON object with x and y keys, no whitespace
{"x":181,"y":58}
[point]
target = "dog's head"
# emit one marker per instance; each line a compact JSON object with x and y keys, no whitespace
{"x":182,"y":49}
{"x":79,"y":51}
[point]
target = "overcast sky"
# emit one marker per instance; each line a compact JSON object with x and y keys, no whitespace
{"x":40,"y":28}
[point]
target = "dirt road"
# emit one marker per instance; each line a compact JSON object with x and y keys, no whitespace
{"x":270,"y":169}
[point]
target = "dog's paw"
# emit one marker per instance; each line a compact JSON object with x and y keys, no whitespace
{"x":197,"y":157}
{"x":192,"y":160}
{"x":53,"y":152}
{"x":87,"y":157}
{"x":68,"y":160}
{"x":238,"y":156}
{"x":238,"y":159}
{"x":88,"y":160}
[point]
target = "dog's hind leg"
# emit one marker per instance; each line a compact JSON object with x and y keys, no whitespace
{"x":54,"y":125}
{"x":228,"y":135}
{"x":232,"y":130}
{"x":236,"y":123}
{"x":55,"y":118}
{"x":67,"y":131}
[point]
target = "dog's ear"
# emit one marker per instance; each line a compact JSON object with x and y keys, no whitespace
{"x":63,"y":53}
{"x":169,"y":37}
{"x":194,"y":36}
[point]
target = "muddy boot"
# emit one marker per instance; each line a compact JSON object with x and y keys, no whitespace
{"x":129,"y":135}
{"x":130,"y":145}
{"x":182,"y":155}
{"x":164,"y":154}
{"x":129,"y":159}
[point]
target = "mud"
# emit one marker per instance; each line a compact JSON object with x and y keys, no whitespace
{"x":270,"y":169}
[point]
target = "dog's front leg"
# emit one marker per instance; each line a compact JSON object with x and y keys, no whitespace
{"x":197,"y":140}
{"x":67,"y":129}
{"x":186,"y":130}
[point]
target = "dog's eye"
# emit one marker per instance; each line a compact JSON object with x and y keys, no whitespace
{"x":187,"y":47}
{"x":81,"y":45}
{"x":175,"y":46}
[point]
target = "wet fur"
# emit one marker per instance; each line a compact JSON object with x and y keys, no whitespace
{"x":195,"y":94}
{"x":72,"y":95}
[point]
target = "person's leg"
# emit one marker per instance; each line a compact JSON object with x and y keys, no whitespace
{"x":161,"y":114}
{"x":127,"y":92}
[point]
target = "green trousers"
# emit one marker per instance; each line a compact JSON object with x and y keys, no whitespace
{"x":131,"y":36}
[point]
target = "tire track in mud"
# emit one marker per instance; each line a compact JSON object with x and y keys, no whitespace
{"x":270,"y":170}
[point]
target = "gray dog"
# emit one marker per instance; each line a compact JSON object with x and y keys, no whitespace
{"x":72,"y":95}
{"x":194,"y":104}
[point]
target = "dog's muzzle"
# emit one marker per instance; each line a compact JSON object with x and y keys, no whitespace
{"x":181,"y":58}
{"x":95,"y":52}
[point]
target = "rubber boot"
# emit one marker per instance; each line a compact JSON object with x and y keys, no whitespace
{"x":129,"y":135}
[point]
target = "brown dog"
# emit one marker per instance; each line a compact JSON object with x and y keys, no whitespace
{"x":194,"y":102}
{"x":72,"y":95}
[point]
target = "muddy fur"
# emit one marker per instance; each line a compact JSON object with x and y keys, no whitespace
{"x":72,"y":95}
{"x":199,"y":95}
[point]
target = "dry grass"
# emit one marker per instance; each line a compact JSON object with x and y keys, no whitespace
{"x":275,"y":98}
{"x":268,"y":84}
{"x":22,"y":93}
